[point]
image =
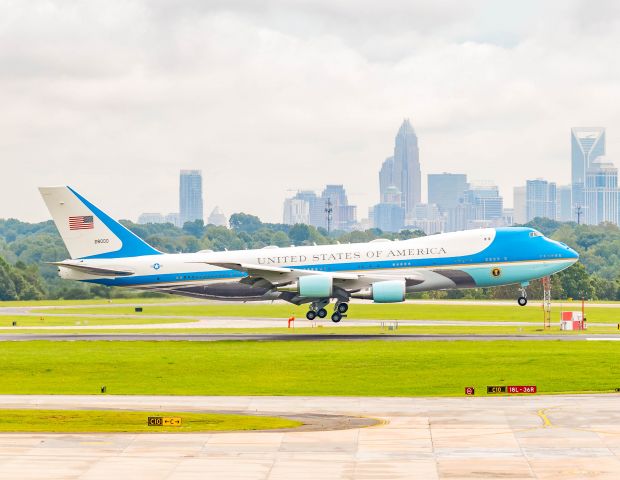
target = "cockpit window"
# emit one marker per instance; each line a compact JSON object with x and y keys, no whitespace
{"x":535,"y":234}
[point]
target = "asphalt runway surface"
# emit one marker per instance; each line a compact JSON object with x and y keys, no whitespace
{"x":123,"y":337}
{"x":519,"y":437}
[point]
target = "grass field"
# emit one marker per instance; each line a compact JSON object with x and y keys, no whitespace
{"x":332,"y":329}
{"x":74,"y":421}
{"x":96,"y":301}
{"x":46,"y":321}
{"x":364,"y":368}
{"x":366,"y":311}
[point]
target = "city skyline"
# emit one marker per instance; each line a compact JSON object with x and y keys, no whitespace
{"x":453,"y":203}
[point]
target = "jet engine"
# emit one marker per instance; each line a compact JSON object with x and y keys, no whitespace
{"x":315,"y":286}
{"x":388,"y":291}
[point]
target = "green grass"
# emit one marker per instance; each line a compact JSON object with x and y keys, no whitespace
{"x":45,"y":321}
{"x":367,"y":311}
{"x":95,"y":301}
{"x":61,"y":421}
{"x":340,"y":329}
{"x":362,"y":368}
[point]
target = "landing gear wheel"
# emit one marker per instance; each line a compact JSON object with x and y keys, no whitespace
{"x":311,"y":315}
{"x":336,"y":317}
{"x":343,"y":307}
{"x":522,"y":301}
{"x":322,"y":313}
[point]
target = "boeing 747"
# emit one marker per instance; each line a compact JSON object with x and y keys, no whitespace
{"x":105,"y":252}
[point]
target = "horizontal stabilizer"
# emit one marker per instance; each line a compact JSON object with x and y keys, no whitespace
{"x":102,"y":272}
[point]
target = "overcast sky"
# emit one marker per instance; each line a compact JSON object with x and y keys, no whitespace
{"x":114,"y":97}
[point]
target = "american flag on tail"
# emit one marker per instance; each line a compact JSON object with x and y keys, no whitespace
{"x":83,"y":222}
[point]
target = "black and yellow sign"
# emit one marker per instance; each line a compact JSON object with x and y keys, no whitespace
{"x":164,"y":421}
{"x":497,"y":389}
{"x":496,"y":272}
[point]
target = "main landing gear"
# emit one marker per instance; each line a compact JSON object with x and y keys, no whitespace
{"x":339,"y":311}
{"x":522,"y":300}
{"x":317,"y":309}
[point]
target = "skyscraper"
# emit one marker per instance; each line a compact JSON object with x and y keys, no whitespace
{"x":587,"y":143}
{"x":540,"y":199}
{"x":389,"y":215}
{"x":565,"y":203}
{"x":446,"y":190}
{"x":386,"y":179}
{"x":602,"y":195}
{"x":520,"y":211}
{"x":403,"y":169}
{"x":407,"y":167}
{"x":343,"y":214}
{"x":316,"y":208}
{"x":190,"y":196}
{"x":296,"y":210}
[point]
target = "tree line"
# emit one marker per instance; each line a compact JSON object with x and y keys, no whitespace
{"x":26,"y":247}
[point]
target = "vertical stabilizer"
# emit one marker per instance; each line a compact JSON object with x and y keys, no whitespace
{"x":87,"y":231}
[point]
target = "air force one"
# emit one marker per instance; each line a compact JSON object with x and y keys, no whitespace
{"x":105,"y":252}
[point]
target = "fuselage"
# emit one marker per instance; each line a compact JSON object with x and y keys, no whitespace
{"x":468,"y":259}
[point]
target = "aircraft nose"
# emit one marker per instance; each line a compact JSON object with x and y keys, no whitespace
{"x":568,"y":252}
{"x":572,"y":253}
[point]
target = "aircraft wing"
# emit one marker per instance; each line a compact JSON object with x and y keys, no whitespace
{"x":263,"y":276}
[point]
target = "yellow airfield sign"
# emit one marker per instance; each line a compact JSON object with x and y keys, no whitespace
{"x":164,"y":421}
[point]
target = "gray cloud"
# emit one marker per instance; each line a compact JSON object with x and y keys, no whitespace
{"x":115,"y":98}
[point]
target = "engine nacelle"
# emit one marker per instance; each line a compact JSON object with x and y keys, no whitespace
{"x":389,"y":291}
{"x":316,"y":286}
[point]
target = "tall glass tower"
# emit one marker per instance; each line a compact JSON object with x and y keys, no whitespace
{"x":601,"y":193}
{"x":446,"y":190}
{"x":190,"y":196}
{"x":587,"y":143}
{"x":540,"y":199}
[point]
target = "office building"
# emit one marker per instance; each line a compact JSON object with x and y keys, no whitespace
{"x":486,"y":201}
{"x":343,"y":215}
{"x":602,"y":196}
{"x":316,"y":208}
{"x":296,"y":210}
{"x":587,"y":143}
{"x":519,"y":206}
{"x":388,"y":217}
{"x":540,"y":199}
{"x":190,"y":196}
{"x":565,"y":203}
{"x":428,"y":218}
{"x":446,"y":190}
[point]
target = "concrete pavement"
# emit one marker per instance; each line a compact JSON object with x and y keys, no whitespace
{"x":545,"y":437}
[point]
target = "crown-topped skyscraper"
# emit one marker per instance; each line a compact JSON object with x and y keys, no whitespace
{"x":403,"y":169}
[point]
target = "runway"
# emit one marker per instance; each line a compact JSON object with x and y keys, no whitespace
{"x":204,"y":337}
{"x":544,"y":437}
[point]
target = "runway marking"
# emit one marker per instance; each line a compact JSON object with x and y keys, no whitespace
{"x":543,"y":416}
{"x":603,"y":339}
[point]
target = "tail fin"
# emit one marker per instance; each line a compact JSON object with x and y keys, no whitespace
{"x":87,"y":231}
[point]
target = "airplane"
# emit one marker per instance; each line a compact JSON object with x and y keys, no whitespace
{"x":105,"y":252}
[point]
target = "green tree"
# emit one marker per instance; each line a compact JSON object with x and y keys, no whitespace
{"x":243,"y":222}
